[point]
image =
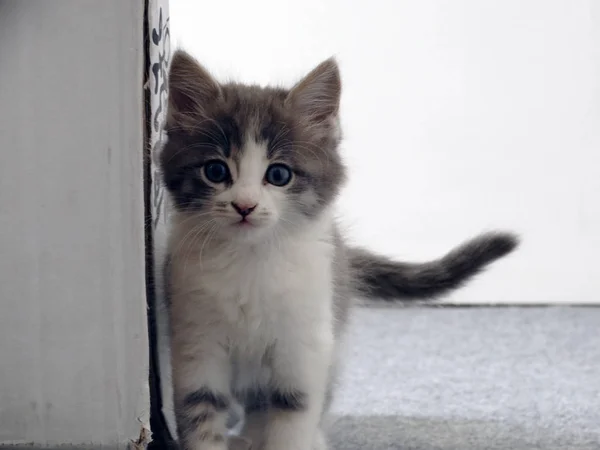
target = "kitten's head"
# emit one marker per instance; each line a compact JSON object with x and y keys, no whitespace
{"x":249,"y":159}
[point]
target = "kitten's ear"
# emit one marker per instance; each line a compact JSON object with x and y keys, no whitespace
{"x":317,"y":95}
{"x":192,"y":89}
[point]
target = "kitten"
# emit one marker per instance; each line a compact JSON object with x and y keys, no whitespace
{"x":259,"y":278}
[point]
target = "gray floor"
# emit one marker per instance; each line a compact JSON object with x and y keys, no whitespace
{"x":470,"y":379}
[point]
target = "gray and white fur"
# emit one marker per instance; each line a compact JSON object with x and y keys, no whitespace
{"x":259,"y":277}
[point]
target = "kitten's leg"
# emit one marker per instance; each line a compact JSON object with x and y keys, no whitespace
{"x":255,"y":425}
{"x":300,"y":374}
{"x":201,"y":387}
{"x":254,"y":428}
{"x":320,"y":441}
{"x":256,"y":404}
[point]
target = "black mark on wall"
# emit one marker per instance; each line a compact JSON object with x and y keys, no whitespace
{"x":160,"y":56}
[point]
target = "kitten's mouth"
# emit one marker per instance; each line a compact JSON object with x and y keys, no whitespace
{"x":244,"y":223}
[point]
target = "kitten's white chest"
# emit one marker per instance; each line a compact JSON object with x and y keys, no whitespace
{"x":263,"y":289}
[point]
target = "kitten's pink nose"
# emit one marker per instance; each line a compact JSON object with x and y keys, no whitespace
{"x":244,"y":209}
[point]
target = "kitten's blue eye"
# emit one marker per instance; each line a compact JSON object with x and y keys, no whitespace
{"x":216,"y":171}
{"x":278,"y":175}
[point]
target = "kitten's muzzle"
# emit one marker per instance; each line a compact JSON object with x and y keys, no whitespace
{"x":243,"y":209}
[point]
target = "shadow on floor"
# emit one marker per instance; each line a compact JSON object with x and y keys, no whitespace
{"x":406,"y":433}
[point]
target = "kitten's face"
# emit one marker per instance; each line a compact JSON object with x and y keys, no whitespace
{"x":243,"y":160}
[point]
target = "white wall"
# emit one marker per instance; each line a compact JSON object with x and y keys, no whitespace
{"x":459,"y":116}
{"x":73,"y":322}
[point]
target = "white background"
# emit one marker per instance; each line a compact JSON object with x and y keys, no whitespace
{"x":459,"y":116}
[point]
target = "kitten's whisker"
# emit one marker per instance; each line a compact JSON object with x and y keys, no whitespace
{"x":303,"y":145}
{"x":190,"y":147}
{"x":210,"y":224}
{"x":194,"y":229}
{"x":283,"y":132}
{"x":221,"y":130}
{"x":208,"y":238}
